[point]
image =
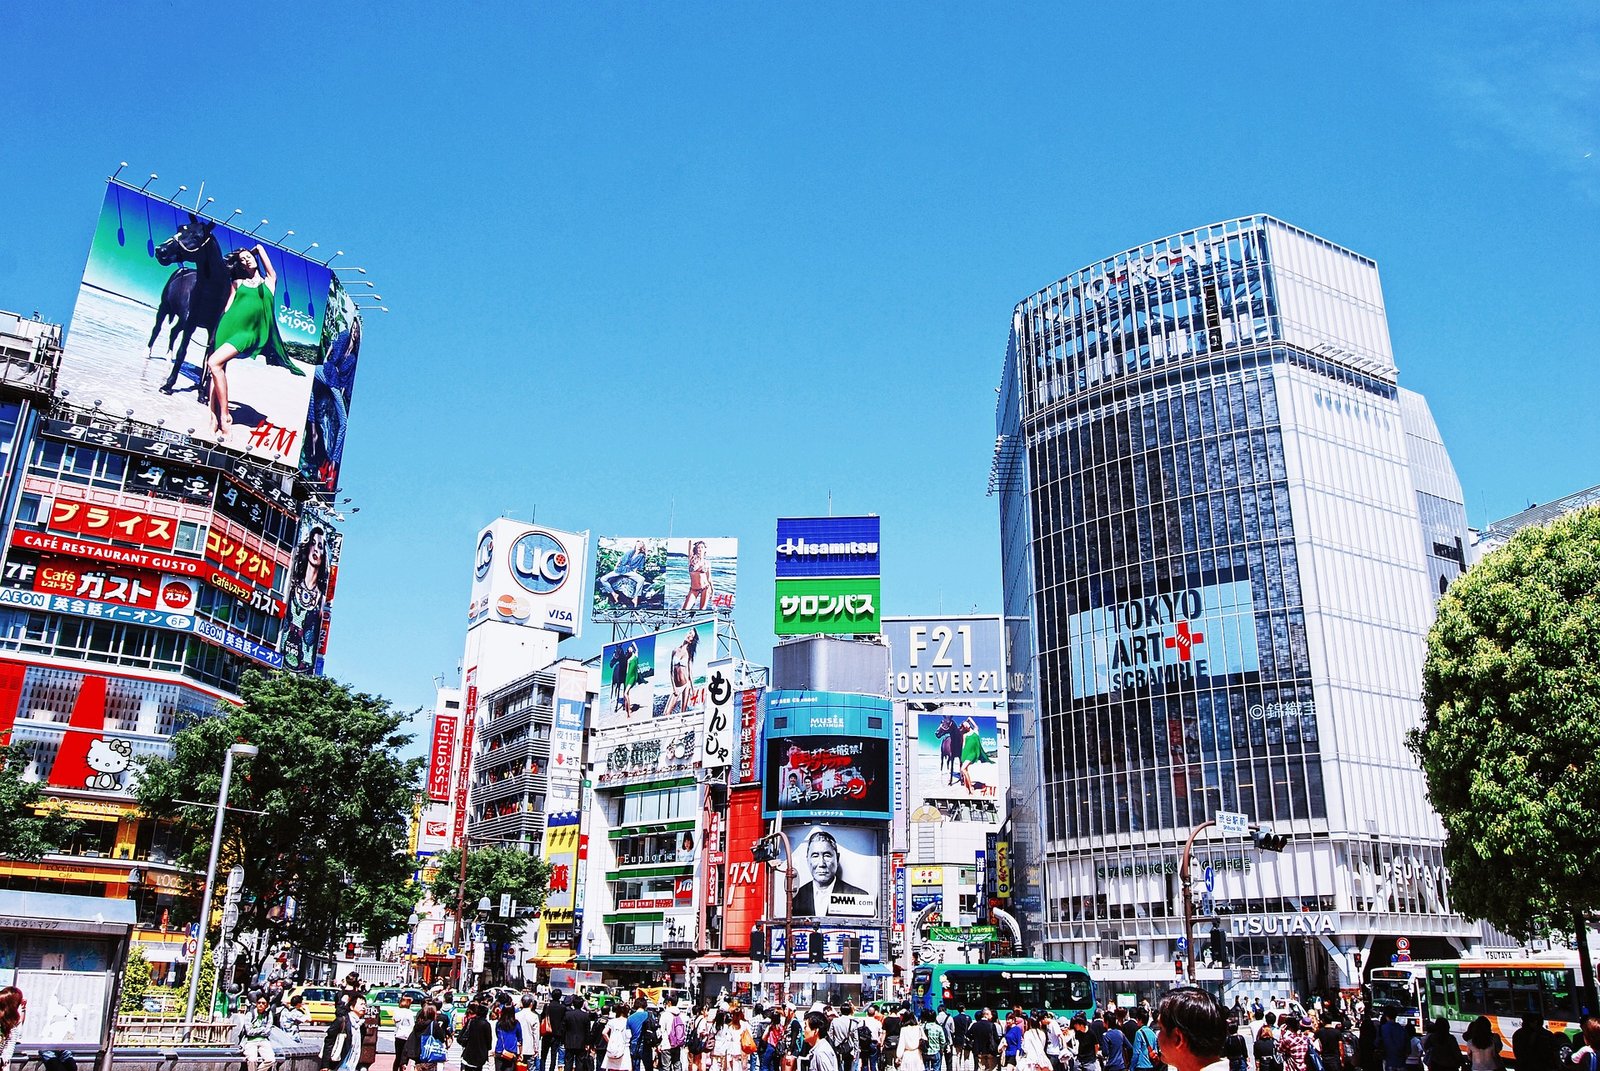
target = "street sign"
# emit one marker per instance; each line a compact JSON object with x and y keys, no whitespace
{"x":505,"y":905}
{"x":1403,"y":943}
{"x":967,"y":934}
{"x":1183,"y":944}
{"x":1233,"y":824}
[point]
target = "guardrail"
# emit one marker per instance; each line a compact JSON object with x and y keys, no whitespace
{"x":154,"y":1031}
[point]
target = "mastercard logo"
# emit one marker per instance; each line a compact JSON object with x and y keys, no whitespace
{"x":512,"y":608}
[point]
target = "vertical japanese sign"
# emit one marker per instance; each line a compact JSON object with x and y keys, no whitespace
{"x":458,"y":834}
{"x":557,"y":929}
{"x":716,"y":746}
{"x":748,"y":761}
{"x":566,"y":742}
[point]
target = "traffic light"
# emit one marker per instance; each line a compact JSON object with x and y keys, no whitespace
{"x":763,"y":851}
{"x":1268,"y":841}
{"x":1219,"y":947}
{"x":349,"y":950}
{"x":852,"y":955}
{"x":814,"y":946}
{"x":758,"y":942}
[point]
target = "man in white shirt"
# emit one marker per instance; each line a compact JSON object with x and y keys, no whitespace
{"x":528,"y":1019}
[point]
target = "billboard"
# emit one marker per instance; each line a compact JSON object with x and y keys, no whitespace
{"x":656,"y":675}
{"x":312,"y":576}
{"x":958,"y":754}
{"x":650,"y":757}
{"x":827,"y":755}
{"x":665,"y":577}
{"x":1146,"y":645}
{"x":837,"y":607}
{"x":838,"y":871}
{"x":442,"y":754}
{"x":945,"y":658}
{"x":190,"y":323}
{"x":522,"y":574}
{"x":827,"y":546}
{"x":560,"y":850}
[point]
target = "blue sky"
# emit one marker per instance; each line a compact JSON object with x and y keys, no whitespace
{"x":686,"y":268}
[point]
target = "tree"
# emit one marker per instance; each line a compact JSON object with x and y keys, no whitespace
{"x":327,"y":853}
{"x":135,"y":981}
{"x":491,"y":872}
{"x":29,"y":832}
{"x":1512,"y":729}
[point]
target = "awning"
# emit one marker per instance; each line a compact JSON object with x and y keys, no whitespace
{"x":876,"y":970}
{"x":623,"y":961}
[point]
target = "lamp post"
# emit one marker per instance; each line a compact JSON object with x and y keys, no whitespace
{"x":763,"y":851}
{"x":242,"y":751}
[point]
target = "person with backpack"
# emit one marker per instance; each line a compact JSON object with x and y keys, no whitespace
{"x":842,"y":1038}
{"x":1234,"y":1049}
{"x":936,"y":1039}
{"x":960,"y":1024}
{"x":1587,"y":1058}
{"x":674,"y":1036}
{"x":1265,"y":1048}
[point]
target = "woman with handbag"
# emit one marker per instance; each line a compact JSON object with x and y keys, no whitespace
{"x":619,"y":1040}
{"x":432,"y":1039}
{"x":912,"y":1045}
{"x":702,"y":1032}
{"x":507,"y":1040}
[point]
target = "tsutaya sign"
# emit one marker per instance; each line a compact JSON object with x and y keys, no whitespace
{"x":1305,"y":924}
{"x":1153,"y":642}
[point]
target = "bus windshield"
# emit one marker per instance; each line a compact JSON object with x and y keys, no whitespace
{"x":1397,"y":990}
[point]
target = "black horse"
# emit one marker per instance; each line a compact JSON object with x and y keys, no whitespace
{"x":194,"y":297}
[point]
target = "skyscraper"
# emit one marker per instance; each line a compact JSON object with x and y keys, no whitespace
{"x":1223,"y":528}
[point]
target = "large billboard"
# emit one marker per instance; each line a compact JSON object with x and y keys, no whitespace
{"x":827,"y":571}
{"x":664,"y":578}
{"x":828,"y":755}
{"x":827,"y":546}
{"x":312,"y":576}
{"x":958,"y":754}
{"x":656,"y":675}
{"x":525,"y":574}
{"x":945,"y":658}
{"x":190,"y":323}
{"x":838,"y":871}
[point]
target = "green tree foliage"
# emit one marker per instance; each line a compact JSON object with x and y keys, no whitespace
{"x":490,"y":872}
{"x":29,"y":831}
{"x":1511,"y":688}
{"x":135,"y":981}
{"x":335,"y":798}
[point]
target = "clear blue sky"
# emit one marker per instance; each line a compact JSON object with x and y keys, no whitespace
{"x":697,"y":266}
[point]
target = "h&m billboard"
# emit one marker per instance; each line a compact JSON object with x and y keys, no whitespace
{"x":664,"y":578}
{"x":828,"y":755}
{"x":945,"y":658}
{"x":190,"y":323}
{"x":656,"y":675}
{"x":524,"y":574}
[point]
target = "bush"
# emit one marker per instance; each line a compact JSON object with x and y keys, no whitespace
{"x":135,"y":982}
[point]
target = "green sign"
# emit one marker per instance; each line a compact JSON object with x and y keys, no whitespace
{"x":839,"y":605}
{"x":967,"y":934}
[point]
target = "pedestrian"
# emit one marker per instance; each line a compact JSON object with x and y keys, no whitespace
{"x":1113,"y":1045}
{"x":507,"y":1039}
{"x":702,"y":1035}
{"x":815,"y":1031}
{"x":1234,"y":1048}
{"x":936,"y":1041}
{"x":842,"y":1036}
{"x":368,"y":1028}
{"x":1294,"y":1044}
{"x":1483,"y":1045}
{"x":1016,"y":1025}
{"x":618,"y":1040}
{"x":1532,"y":1046}
{"x":1192,"y":1028}
{"x":1088,"y":1043}
{"x":530,"y":1022}
{"x":255,"y":1035}
{"x":983,"y":1039}
{"x":477,"y":1038}
{"x":430,"y":1040}
{"x":960,"y":1024}
{"x":1439,"y":1049}
{"x":405,"y":1023}
{"x":341,"y":1044}
{"x":576,"y":1025}
{"x":1587,"y":1058}
{"x":550,"y":1033}
{"x":674,"y":1035}
{"x":1033,"y":1054}
{"x":1145,"y":1043}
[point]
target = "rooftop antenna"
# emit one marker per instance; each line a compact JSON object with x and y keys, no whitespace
{"x":830,"y":502}
{"x":198,"y":196}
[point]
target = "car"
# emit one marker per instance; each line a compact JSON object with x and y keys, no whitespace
{"x":153,"y":1005}
{"x":387,"y":999}
{"x":320,"y":1001}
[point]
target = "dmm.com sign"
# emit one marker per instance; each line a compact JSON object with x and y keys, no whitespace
{"x":846,"y":605}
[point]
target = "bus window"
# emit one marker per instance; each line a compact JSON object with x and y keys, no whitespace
{"x":1558,"y":998}
{"x":1442,"y":995}
{"x":1526,"y":998}
{"x":1500,"y":1001}
{"x":1474,"y":993}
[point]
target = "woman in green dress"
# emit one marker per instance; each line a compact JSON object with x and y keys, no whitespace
{"x":248,"y":328}
{"x":971,"y":752}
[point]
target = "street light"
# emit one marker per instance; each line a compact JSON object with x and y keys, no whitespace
{"x":765,"y":850}
{"x":246,"y":751}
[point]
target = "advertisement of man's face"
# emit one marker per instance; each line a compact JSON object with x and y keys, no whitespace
{"x":838,"y":871}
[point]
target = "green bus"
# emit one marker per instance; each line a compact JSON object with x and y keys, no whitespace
{"x":1052,"y":985}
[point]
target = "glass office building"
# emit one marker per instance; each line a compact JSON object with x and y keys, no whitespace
{"x":1224,"y":526}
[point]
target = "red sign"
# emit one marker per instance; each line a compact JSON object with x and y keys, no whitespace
{"x":235,"y":554}
{"x":113,"y":522}
{"x":746,"y":897}
{"x":113,"y":584}
{"x":683,"y":891}
{"x":645,"y":904}
{"x":163,"y":563}
{"x":439,"y":759}
{"x":458,"y":835}
{"x":744,"y":769}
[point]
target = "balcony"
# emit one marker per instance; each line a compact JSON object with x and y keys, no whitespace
{"x":519,"y":825}
{"x":508,"y":788}
{"x":513,"y":720}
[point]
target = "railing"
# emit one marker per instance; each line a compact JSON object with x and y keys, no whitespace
{"x":154,"y":1031}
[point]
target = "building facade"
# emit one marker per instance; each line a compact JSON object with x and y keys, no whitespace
{"x":1223,"y":528}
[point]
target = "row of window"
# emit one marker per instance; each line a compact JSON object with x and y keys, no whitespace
{"x":116,"y":643}
{"x":657,"y":805}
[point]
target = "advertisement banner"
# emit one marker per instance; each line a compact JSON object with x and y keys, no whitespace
{"x":112,"y":522}
{"x":433,"y":828}
{"x":827,"y":546}
{"x":945,"y":658}
{"x":666,"y":577}
{"x":656,"y":675}
{"x":746,"y":896}
{"x":650,"y":758}
{"x":441,"y":755}
{"x":747,"y":766}
{"x":19,"y":568}
{"x":566,"y":738}
{"x":185,"y":320}
{"x":528,"y":575}
{"x":556,"y":921}
{"x":469,"y":721}
{"x":828,"y":606}
{"x":833,"y":940}
{"x":958,"y":754}
{"x":243,"y":556}
{"x":1145,"y":646}
{"x":717,"y":739}
{"x":819,"y":774}
{"x":842,"y":868}
{"x":312,"y":575}
{"x":213,"y":634}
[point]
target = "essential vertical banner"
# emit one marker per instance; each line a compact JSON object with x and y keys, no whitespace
{"x":190,"y":323}
{"x":441,"y":755}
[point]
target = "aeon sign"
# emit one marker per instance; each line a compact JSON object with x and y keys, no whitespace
{"x":539,"y":562}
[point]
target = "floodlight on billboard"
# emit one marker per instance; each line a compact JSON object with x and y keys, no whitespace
{"x":661,"y":580}
{"x":945,"y":658}
{"x":529,"y":575}
{"x":187,"y":322}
